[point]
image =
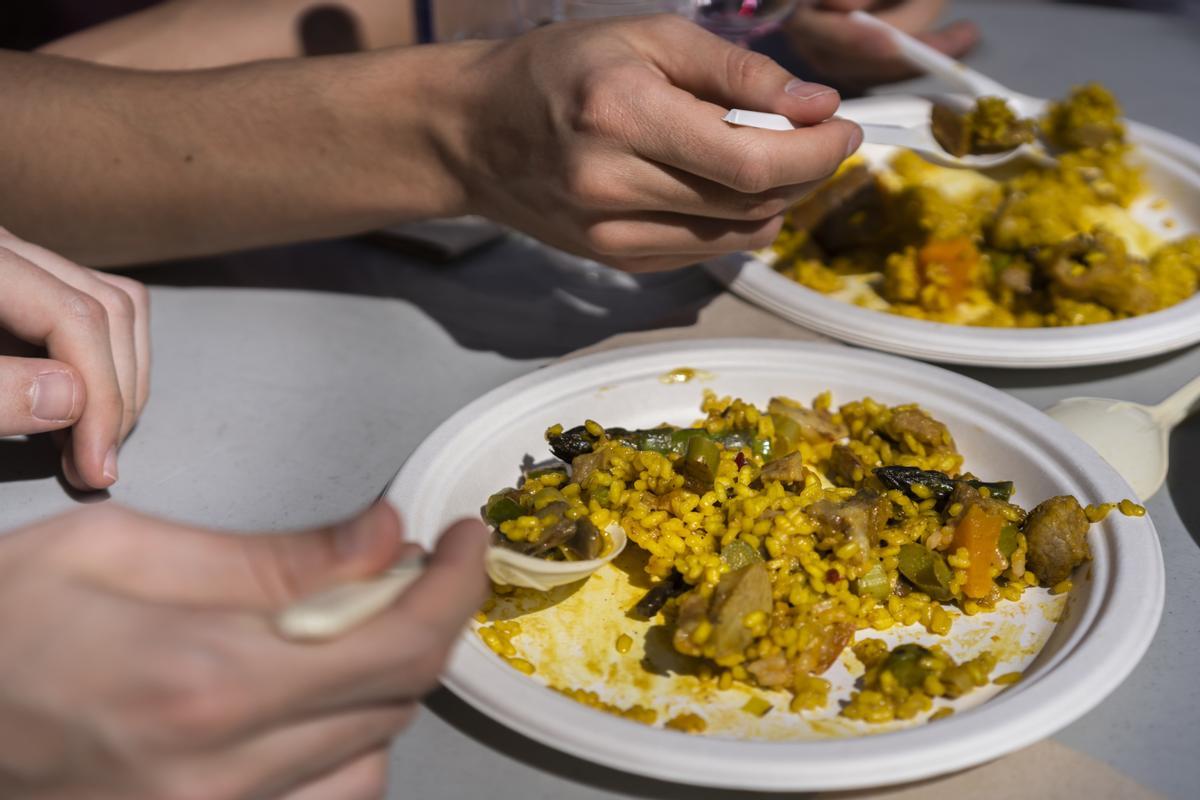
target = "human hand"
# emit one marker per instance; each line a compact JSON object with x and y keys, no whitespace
{"x":605,"y":139}
{"x":857,"y":56}
{"x":139,"y":657}
{"x":95,"y":329}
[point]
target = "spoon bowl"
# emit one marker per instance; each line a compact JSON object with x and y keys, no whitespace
{"x":918,"y":138}
{"x":331,"y":613}
{"x":1133,"y":438}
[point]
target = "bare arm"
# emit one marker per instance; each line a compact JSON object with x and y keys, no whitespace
{"x":116,"y":166}
{"x":192,"y":34}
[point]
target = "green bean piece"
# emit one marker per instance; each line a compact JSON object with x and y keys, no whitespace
{"x":939,"y":484}
{"x":873,"y":583}
{"x":501,"y":508}
{"x":577,"y":441}
{"x":905,"y":665}
{"x":926,"y":570}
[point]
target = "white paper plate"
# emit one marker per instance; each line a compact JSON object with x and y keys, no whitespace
{"x":1173,"y":174}
{"x":1110,"y":615}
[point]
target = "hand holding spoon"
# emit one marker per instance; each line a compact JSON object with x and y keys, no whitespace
{"x":329,"y":614}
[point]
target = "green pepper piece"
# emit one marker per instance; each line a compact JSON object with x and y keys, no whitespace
{"x":905,"y":665}
{"x":926,"y":570}
{"x":939,"y":484}
{"x":1007,"y":544}
{"x":700,"y":463}
{"x":1001,"y":490}
{"x":501,"y":508}
{"x":738,"y":554}
{"x":543,"y":471}
{"x":601,"y":496}
{"x":874,"y":583}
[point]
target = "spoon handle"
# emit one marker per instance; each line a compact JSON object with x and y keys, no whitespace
{"x":873,"y":133}
{"x":1173,"y":410}
{"x":924,"y":57}
{"x":329,"y":614}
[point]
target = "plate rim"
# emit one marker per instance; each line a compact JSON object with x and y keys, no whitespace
{"x":1010,"y":348}
{"x":1049,"y":704}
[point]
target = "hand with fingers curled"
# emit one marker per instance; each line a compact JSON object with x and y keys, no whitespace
{"x":140,"y":659}
{"x":74,"y":357}
{"x":606,"y":139}
{"x":856,"y":56}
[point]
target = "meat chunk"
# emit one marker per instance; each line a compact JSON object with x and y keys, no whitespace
{"x":846,"y":468}
{"x":1096,"y":268}
{"x":789,"y":469}
{"x":739,"y":594}
{"x":1056,"y":532}
{"x":826,"y":643}
{"x":859,"y":519}
{"x":922,"y":427}
{"x":809,"y":425}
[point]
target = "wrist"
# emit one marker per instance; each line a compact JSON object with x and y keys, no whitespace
{"x":405,"y":118}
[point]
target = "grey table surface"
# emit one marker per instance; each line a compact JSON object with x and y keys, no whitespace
{"x":291,"y":384}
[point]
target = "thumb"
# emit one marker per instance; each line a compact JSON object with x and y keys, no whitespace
{"x":168,"y":563}
{"x":38,"y":395}
{"x":715,"y":70}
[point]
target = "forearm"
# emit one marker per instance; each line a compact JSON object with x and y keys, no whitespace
{"x":112,"y":166}
{"x":193,"y":34}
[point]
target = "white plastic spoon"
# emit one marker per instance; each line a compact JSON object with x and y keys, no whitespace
{"x":331,"y":613}
{"x":966,"y":80}
{"x":918,"y":138}
{"x":1133,"y":438}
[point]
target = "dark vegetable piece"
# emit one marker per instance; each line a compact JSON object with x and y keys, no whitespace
{"x":501,"y":507}
{"x":700,"y":464}
{"x":905,"y":665}
{"x":577,"y":441}
{"x":874,"y":583}
{"x":926,"y":571}
{"x":587,"y":543}
{"x":939,"y":484}
{"x":652,"y":601}
{"x":738,"y":554}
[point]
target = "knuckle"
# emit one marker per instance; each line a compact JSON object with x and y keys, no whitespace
{"x":85,"y":309}
{"x":116,"y":301}
{"x":191,"y":701}
{"x":747,"y":67}
{"x":752,"y":172}
{"x":590,"y":189}
{"x":607,"y":238}
{"x":761,"y":207}
{"x":765,"y":235}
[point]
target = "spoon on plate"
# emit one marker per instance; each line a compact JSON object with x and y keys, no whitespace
{"x":918,"y":138}
{"x":1133,"y":438}
{"x":329,"y":614}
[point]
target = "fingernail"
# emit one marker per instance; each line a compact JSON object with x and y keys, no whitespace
{"x":53,"y":397}
{"x":110,"y":464}
{"x":803,"y":90}
{"x":856,"y":137}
